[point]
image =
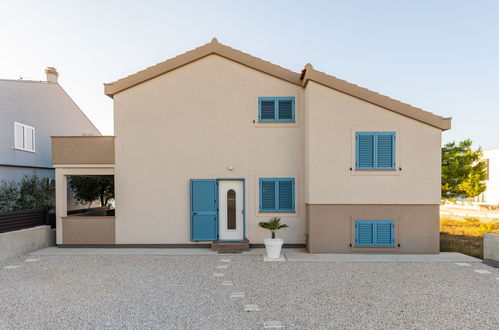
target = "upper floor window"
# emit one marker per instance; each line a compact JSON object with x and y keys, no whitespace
{"x":277,"y":194}
{"x":24,"y":137}
{"x":375,"y":150}
{"x":276,"y":109}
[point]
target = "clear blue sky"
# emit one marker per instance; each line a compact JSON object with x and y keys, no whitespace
{"x":442,"y":56}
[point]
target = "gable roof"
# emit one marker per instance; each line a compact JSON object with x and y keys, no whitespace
{"x":33,"y":96}
{"x":308,"y":74}
{"x":214,"y":47}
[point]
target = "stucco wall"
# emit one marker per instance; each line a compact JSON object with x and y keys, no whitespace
{"x":83,"y":149}
{"x":88,"y":230}
{"x":332,"y":118}
{"x":491,"y":195}
{"x":331,"y":228}
{"x":44,"y":106}
{"x":193,"y":123}
{"x":18,"y":242}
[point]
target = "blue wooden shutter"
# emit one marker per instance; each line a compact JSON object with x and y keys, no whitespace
{"x":374,"y":233}
{"x":286,"y":109}
{"x":364,"y":233}
{"x":364,"y":150}
{"x":204,"y":226}
{"x":268,"y":195}
{"x":384,"y":233}
{"x":267,"y":109}
{"x":385,"y":150}
{"x":286,"y":194}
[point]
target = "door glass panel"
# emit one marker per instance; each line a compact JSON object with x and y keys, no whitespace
{"x":231,"y":209}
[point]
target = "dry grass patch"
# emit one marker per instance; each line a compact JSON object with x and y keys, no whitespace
{"x":465,"y":235}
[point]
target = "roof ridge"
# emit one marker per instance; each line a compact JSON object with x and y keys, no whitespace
{"x":258,"y":58}
{"x":28,"y":81}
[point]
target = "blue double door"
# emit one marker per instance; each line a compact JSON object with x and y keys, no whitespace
{"x":205,"y":215}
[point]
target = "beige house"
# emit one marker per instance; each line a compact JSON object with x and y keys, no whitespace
{"x":491,"y":195}
{"x":213,"y":141}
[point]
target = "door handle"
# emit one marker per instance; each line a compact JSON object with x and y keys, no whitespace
{"x":194,"y":213}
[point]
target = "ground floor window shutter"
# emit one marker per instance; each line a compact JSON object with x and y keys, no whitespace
{"x":374,"y":233}
{"x":267,"y":195}
{"x":277,"y":195}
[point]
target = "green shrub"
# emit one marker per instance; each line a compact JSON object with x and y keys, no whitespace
{"x":32,"y":192}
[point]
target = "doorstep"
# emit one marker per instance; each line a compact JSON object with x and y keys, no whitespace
{"x":230,"y":246}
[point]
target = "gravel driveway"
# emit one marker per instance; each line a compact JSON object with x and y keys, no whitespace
{"x":181,"y":292}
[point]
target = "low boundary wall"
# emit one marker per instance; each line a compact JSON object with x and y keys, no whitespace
{"x":18,"y":242}
{"x":491,"y":249}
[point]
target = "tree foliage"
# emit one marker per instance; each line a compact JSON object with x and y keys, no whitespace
{"x":32,"y":192}
{"x":463,"y":171}
{"x":89,"y":189}
{"x":274,"y":224}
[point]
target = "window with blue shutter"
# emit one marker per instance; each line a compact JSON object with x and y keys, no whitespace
{"x":375,"y":150}
{"x":276,"y":109}
{"x":277,"y":195}
{"x":374,"y":233}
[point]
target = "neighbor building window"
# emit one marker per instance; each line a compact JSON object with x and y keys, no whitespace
{"x":24,"y":137}
{"x":375,"y":150}
{"x":374,"y":233}
{"x":276,"y":109}
{"x":277,"y":195}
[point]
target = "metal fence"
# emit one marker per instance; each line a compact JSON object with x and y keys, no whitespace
{"x":16,"y":220}
{"x":26,"y":219}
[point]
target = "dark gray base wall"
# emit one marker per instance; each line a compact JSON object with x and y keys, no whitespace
{"x":492,"y":263}
{"x":167,"y":246}
{"x":331,"y":227}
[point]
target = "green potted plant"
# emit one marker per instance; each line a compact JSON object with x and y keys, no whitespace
{"x":273,"y":245}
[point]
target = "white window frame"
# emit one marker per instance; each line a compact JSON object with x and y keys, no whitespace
{"x":23,"y":148}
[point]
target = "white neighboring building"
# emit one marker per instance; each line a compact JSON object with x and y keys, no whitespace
{"x":491,"y":195}
{"x":30,"y":113}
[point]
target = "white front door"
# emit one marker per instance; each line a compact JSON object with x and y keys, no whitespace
{"x":231,"y":210}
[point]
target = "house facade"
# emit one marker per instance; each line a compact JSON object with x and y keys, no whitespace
{"x":212,"y":142}
{"x":491,"y":195}
{"x":30,"y":113}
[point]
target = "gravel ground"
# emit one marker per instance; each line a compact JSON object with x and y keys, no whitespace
{"x":180,"y":292}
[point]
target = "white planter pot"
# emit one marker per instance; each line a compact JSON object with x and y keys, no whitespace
{"x":273,"y":247}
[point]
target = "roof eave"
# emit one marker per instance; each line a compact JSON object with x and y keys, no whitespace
{"x":310,"y":74}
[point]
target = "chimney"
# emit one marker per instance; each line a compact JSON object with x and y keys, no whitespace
{"x":52,"y":74}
